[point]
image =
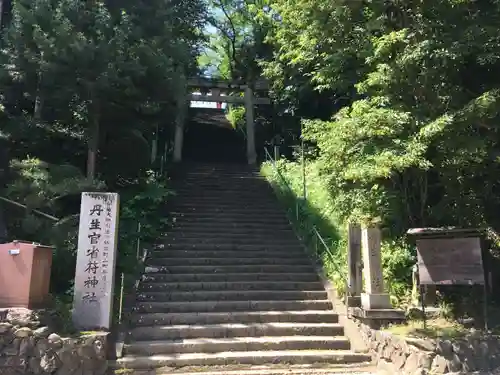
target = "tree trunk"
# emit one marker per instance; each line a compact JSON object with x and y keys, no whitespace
{"x":93,"y":145}
{"x":3,"y":226}
{"x":4,"y":175}
{"x":37,"y":111}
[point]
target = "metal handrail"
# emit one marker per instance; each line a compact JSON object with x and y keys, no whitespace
{"x":314,"y":229}
{"x":141,"y":259}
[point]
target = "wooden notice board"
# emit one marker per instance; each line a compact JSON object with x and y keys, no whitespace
{"x":450,"y":261}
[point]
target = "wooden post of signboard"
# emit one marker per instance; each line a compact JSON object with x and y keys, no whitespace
{"x":96,"y":261}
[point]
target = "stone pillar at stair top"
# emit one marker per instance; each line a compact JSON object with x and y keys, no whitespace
{"x":354,"y":276}
{"x":249,"y":112}
{"x":215,"y":92}
{"x":374,"y":296}
{"x":179,"y":130}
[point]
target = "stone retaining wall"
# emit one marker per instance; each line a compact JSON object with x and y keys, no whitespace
{"x":29,"y":347}
{"x":404,"y":355}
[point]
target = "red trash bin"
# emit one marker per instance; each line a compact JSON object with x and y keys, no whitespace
{"x":24,"y":274}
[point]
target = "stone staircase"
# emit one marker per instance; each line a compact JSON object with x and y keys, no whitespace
{"x":231,"y":285}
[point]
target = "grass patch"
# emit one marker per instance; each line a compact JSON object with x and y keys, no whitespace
{"x":436,"y":328}
{"x":315,"y":212}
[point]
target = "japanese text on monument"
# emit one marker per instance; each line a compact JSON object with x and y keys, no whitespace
{"x":95,"y":260}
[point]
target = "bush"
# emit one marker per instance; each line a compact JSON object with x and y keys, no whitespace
{"x":56,"y":190}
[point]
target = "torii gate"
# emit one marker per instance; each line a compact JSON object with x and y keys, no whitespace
{"x":216,"y":87}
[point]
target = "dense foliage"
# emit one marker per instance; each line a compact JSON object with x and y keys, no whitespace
{"x":397,"y":102}
{"x":87,"y":89}
{"x":418,"y":144}
{"x":408,"y":133}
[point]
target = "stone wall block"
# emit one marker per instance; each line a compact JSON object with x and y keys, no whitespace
{"x":444,"y":348}
{"x":439,"y":365}
{"x":454,"y":363}
{"x":49,"y":362}
{"x":29,"y":348}
{"x":412,"y":356}
{"x":69,"y":359}
{"x":41,"y":347}
{"x":5,"y":328}
{"x":34,"y":366}
{"x":411,"y":364}
{"x":12,"y":348}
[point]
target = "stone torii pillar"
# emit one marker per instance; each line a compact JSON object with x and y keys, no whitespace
{"x":250,"y":125}
{"x":179,"y":129}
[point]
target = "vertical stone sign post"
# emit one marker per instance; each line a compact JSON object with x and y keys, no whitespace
{"x":374,"y":296}
{"x":96,"y":260}
{"x":354,"y":276}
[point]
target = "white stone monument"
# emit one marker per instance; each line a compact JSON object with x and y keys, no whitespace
{"x":375,"y":296}
{"x":96,"y":261}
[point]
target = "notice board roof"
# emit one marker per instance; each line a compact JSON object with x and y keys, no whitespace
{"x":445,"y":232}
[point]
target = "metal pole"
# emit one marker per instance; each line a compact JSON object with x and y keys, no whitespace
{"x":138,"y":240}
{"x":485,"y":306}
{"x":122,"y":287}
{"x":276,"y":152}
{"x":422,"y":301}
{"x":304,"y":188}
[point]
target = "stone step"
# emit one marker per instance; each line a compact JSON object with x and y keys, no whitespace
{"x":233,"y":285}
{"x":253,"y":358}
{"x":156,"y":261}
{"x":217,"y":174}
{"x":224,"y":202}
{"x":254,"y":268}
{"x":214,"y":225}
{"x":232,"y":295}
{"x":218,"y":178}
{"x":260,"y":197}
{"x":230,"y":234}
{"x":213,"y":190}
{"x":235,"y":330}
{"x":215,"y":345}
{"x":233,"y":216}
{"x":229,"y":239}
{"x":304,"y":316}
{"x":230,"y":227}
{"x":281,"y":237}
{"x":230,"y":247}
{"x":231,"y":306}
{"x":223,"y":219}
{"x":225,"y":183}
{"x":261,"y":254}
{"x":226,"y":197}
{"x":231,"y":211}
{"x":268,"y":369}
{"x":229,"y":277}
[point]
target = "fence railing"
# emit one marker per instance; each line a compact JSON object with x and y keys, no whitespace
{"x":300,"y":203}
{"x":141,"y":258}
{"x":123,"y":316}
{"x":23,"y":206}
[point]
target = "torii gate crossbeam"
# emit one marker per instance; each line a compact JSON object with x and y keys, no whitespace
{"x":249,"y":100}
